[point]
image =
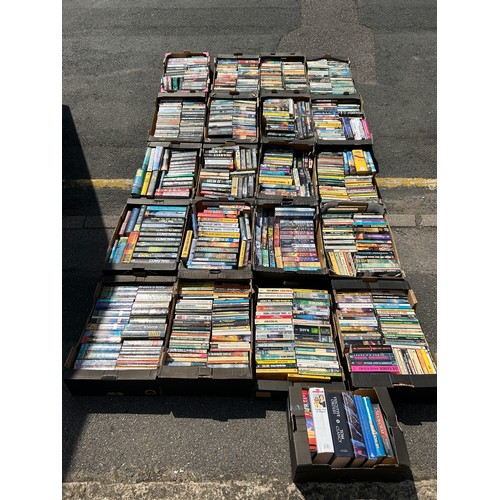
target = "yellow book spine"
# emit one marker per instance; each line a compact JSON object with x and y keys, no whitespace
{"x":187,"y":244}
{"x":147,"y":179}
{"x":423,"y":364}
{"x":241,"y":259}
{"x":360,"y":161}
{"x":428,"y":361}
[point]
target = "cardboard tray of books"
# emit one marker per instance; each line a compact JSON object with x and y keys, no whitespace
{"x":313,"y":360}
{"x":225,"y":84}
{"x":274,"y":160}
{"x":228,"y":172}
{"x":286,"y":87}
{"x":217,"y":247}
{"x":220,"y":359}
{"x":243,"y":131}
{"x":198,"y":74}
{"x":336,"y":437}
{"x":375,"y":253}
{"x":358,"y":163}
{"x":182,"y":120}
{"x":352,"y":122}
{"x":163,"y":166}
{"x":108,"y":362}
{"x":265,"y":235}
{"x":404,"y":372}
{"x":341,"y":84}
{"x":275,"y":119}
{"x":149,"y":236}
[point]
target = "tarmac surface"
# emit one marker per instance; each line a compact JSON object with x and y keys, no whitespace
{"x":215,"y":447}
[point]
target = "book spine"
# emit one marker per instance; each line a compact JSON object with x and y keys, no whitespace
{"x":377,"y":439}
{"x":311,"y":436}
{"x":339,"y":426}
{"x":384,"y":433}
{"x":140,"y":218}
{"x":130,"y":246}
{"x":356,"y":433}
{"x":365,"y":427}
{"x":132,"y":220}
{"x":324,"y":441}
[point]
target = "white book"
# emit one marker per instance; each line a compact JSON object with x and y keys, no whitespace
{"x":324,"y":441}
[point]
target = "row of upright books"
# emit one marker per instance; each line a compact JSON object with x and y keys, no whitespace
{"x":254,"y":256}
{"x":246,"y":330}
{"x":237,"y":238}
{"x":302,"y":173}
{"x":200,"y":73}
{"x":276,"y":119}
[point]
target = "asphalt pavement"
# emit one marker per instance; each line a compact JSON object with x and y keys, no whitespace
{"x":209,"y":447}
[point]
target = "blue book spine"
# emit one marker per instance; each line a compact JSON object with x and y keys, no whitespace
{"x":157,"y":158}
{"x":113,"y":251}
{"x":132,"y":220}
{"x":195,"y":225}
{"x":120,"y":249}
{"x":365,"y":427}
{"x":347,"y":128}
{"x":377,"y":438}
{"x":138,"y":181}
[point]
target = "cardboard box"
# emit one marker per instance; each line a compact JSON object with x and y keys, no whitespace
{"x":114,"y":382}
{"x":293,"y":200}
{"x":357,"y":207}
{"x":282,"y":141}
{"x":203,"y":380}
{"x":176,"y":140}
{"x":318,"y":95}
{"x":303,"y":470}
{"x":284,"y":56}
{"x":323,"y":148}
{"x":191,"y":93}
{"x":250,"y":199}
{"x":423,"y":387}
{"x":354,"y":143}
{"x":152,"y":267}
{"x":222,"y":94}
{"x":175,"y":146}
{"x":278,"y":387}
{"x":244,"y":273}
{"x":281,"y":274}
{"x":222,"y":140}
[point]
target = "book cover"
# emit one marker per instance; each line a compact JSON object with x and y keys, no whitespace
{"x":356,"y":433}
{"x":324,"y":441}
{"x":384,"y":433}
{"x":311,"y":436}
{"x":367,"y":434}
{"x":344,"y":452}
{"x":377,"y":439}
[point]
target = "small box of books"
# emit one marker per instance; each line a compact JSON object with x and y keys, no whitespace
{"x":380,"y":336}
{"x":329,"y":77}
{"x":358,"y":240}
{"x":344,"y":435}
{"x":346,"y":174}
{"x":185,"y":73}
{"x":218,"y":243}
{"x":283,"y":74}
{"x":228,"y":172}
{"x":294,"y":337}
{"x":287,"y":120}
{"x":287,"y":173}
{"x":149,"y":236}
{"x":340,"y":122}
{"x":287,"y":240}
{"x":236,"y":74}
{"x":178,"y":119}
{"x":232,"y":118}
{"x":120,"y":347}
{"x":168,"y":171}
{"x":209,"y":341}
